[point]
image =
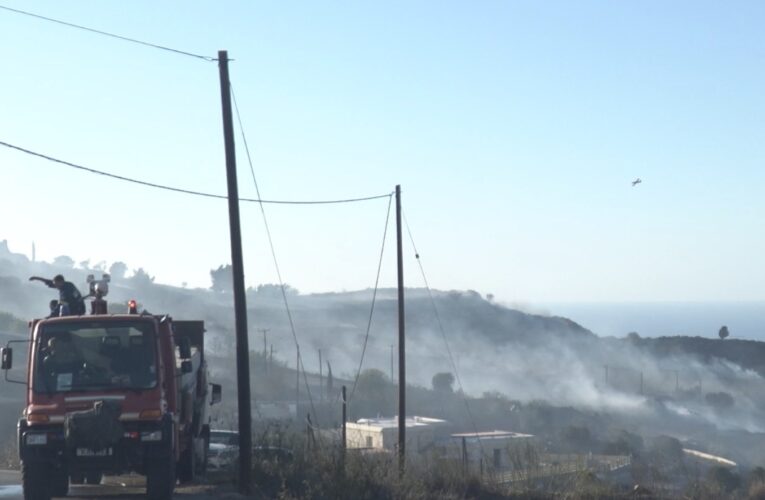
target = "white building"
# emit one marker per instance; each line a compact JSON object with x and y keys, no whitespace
{"x":382,"y":433}
{"x":493,"y":449}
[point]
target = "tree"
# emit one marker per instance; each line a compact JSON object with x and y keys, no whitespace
{"x":577,"y":437}
{"x":667,"y":450}
{"x":633,"y":337}
{"x":443,"y":382}
{"x":118,"y":270}
{"x":10,"y":323}
{"x":723,"y":333}
{"x":757,"y":475}
{"x":63,"y":261}
{"x":622,"y":442}
{"x":372,"y":384}
{"x":720,"y":401}
{"x":724,"y":478}
{"x":222,"y":279}
{"x":141,"y":277}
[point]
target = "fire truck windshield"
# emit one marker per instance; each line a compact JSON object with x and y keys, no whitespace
{"x":95,"y":355}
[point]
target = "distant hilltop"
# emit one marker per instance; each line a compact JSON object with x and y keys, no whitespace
{"x":336,"y":321}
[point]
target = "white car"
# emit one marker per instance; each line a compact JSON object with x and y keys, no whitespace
{"x":224,"y":450}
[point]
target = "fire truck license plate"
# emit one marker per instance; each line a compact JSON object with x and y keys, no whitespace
{"x":87,"y":452}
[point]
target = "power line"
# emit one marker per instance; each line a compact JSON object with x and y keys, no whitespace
{"x":105,"y":33}
{"x":186,"y":191}
{"x":374,"y":297}
{"x":443,"y":332}
{"x":300,"y":364}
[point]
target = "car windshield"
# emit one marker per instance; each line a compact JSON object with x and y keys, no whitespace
{"x":228,"y":438}
{"x":95,"y":355}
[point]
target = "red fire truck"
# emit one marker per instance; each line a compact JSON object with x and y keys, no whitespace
{"x":111,"y":394}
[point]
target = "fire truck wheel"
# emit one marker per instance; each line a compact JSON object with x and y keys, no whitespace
{"x":60,"y":482}
{"x":34,"y":478}
{"x":93,"y":477}
{"x":160,"y":478}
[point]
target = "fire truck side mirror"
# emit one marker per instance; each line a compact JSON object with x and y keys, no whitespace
{"x":184,"y":348}
{"x":186,"y":366}
{"x":6,"y":353}
{"x":217,"y":394}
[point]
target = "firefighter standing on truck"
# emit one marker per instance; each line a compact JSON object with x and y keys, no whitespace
{"x":69,"y":298}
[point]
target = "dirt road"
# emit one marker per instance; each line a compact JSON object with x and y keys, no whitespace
{"x":117,"y":487}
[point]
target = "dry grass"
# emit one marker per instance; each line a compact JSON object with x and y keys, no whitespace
{"x":9,"y":457}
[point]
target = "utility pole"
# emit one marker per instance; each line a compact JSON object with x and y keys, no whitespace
{"x":265,"y":331}
{"x":321,"y":379}
{"x":401,"y":338}
{"x":237,"y":263}
{"x":265,"y":351}
{"x":392,"y":380}
{"x":345,"y":419}
{"x":297,"y":382}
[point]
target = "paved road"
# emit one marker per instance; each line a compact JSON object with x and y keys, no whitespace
{"x":118,"y":488}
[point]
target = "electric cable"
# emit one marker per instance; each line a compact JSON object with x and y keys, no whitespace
{"x":106,"y":33}
{"x":374,"y":298}
{"x":185,"y":191}
{"x":273,"y":254}
{"x":443,"y":333}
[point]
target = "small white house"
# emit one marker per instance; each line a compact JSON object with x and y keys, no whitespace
{"x":495,"y":449}
{"x":382,"y":433}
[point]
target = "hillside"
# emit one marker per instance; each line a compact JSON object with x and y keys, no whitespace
{"x":529,"y":372}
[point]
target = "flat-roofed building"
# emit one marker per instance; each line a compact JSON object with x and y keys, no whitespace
{"x":495,"y":449}
{"x":382,"y":433}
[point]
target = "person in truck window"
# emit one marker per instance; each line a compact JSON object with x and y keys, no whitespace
{"x":60,"y":356}
{"x":70,"y":299}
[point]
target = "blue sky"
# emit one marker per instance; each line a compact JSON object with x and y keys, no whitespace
{"x":514,"y":128}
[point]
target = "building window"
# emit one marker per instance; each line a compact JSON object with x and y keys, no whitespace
{"x":497,"y":458}
{"x":369,"y":441}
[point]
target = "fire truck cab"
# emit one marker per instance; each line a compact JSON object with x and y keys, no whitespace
{"x":111,"y":394}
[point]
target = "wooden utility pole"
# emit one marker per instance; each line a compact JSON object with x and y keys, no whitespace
{"x":297,"y":382}
{"x":392,"y":379}
{"x":321,"y":379}
{"x":240,"y":301}
{"x":265,"y":331}
{"x":345,"y":419}
{"x":401,"y":338}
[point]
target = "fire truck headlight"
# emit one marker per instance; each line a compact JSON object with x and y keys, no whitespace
{"x":37,"y":439}
{"x":151,"y":436}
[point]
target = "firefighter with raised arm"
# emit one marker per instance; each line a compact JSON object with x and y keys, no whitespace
{"x":71,"y":302}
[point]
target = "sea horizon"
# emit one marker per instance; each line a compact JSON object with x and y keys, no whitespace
{"x":745,"y":319}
